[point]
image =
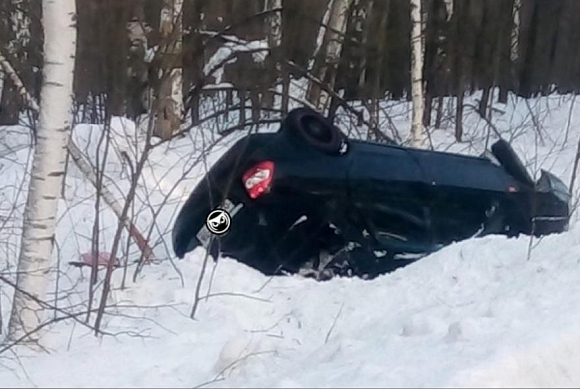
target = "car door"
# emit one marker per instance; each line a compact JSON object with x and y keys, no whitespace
{"x":387,"y":188}
{"x":463,"y":193}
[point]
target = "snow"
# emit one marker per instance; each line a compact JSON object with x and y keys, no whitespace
{"x":485,"y":312}
{"x":259,"y":49}
{"x":470,"y":314}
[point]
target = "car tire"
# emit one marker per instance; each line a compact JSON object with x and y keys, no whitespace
{"x":305,"y":125}
{"x":511,"y":162}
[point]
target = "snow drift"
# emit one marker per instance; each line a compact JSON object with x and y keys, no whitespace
{"x":490,"y":311}
{"x":477,"y":313}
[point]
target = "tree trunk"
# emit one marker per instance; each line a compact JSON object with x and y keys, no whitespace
{"x":428,"y":109}
{"x":448,"y":9}
{"x":328,"y":60}
{"x":242,"y":98}
{"x":417,"y":74}
{"x":274,"y":35}
{"x":363,"y":24}
{"x":503,"y":68}
{"x":459,"y":117}
{"x":378,"y":92}
{"x":170,"y":103}
{"x":459,"y":63}
{"x":515,"y":36}
{"x":484,"y":102}
{"x":274,"y":21}
{"x":439,"y":115}
{"x":137,"y":89}
{"x":48,"y":167}
{"x":285,"y":89}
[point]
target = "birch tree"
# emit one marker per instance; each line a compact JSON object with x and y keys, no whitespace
{"x":515,"y":35}
{"x":274,"y":21}
{"x":331,"y":50}
{"x":417,"y":74}
{"x":170,"y":103}
{"x":274,"y":37}
{"x":48,"y":167}
{"x":448,"y":9}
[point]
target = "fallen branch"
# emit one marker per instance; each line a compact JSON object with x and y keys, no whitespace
{"x":573,"y":178}
{"x":84,"y":166}
{"x":5,"y":64}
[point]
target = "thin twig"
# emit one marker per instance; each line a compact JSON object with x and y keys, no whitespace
{"x":333,"y":324}
{"x":197,"y":297}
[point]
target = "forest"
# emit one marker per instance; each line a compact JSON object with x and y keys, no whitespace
{"x":524,"y":47}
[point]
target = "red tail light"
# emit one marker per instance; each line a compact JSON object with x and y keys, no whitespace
{"x":257,"y":180}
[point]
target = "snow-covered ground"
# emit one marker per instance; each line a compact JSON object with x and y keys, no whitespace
{"x":483,"y":312}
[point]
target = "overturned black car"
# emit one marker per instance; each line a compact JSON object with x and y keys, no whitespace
{"x":307,"y":199}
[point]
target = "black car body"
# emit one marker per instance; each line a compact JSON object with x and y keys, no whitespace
{"x":307,"y":190}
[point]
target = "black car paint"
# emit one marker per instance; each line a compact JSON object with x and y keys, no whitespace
{"x":399,"y":199}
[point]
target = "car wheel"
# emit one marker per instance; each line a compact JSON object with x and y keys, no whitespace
{"x":307,"y":126}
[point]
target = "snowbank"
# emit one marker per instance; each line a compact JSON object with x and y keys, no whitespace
{"x":483,"y":312}
{"x":477,"y":313}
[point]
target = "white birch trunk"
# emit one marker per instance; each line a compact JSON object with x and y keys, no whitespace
{"x":449,"y":9}
{"x":515,"y":38}
{"x":417,"y":74}
{"x":170,"y":108}
{"x":274,"y":21}
{"x":332,"y":45}
{"x":322,"y":29}
{"x":274,"y":37}
{"x":177,"y":74}
{"x":35,"y":260}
